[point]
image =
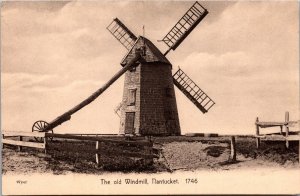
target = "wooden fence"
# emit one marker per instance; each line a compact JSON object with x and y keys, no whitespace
{"x":8,"y":135}
{"x":146,"y":144}
{"x":284,"y":134}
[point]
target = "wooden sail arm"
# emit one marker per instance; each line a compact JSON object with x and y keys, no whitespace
{"x":67,"y":115}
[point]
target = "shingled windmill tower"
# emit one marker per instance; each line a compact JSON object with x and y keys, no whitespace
{"x":148,"y":105}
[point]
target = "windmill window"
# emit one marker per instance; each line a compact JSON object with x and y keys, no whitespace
{"x":131,"y":97}
{"x":169,"y":92}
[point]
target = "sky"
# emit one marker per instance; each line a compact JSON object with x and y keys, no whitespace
{"x":244,"y":55}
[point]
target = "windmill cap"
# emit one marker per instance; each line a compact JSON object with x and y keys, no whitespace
{"x":151,"y":52}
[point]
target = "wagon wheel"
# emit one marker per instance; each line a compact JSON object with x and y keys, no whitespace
{"x":39,"y":127}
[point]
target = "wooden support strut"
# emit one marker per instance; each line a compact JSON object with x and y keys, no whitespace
{"x":67,"y":115}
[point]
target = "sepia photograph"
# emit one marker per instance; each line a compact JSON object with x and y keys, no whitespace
{"x":150,"y":97}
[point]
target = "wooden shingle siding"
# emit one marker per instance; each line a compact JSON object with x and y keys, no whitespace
{"x":155,"y":104}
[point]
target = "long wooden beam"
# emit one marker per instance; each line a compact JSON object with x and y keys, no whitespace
{"x":67,"y":115}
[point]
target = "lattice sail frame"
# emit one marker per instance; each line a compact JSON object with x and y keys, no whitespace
{"x":184,"y":26}
{"x":122,"y":33}
{"x":192,"y":91}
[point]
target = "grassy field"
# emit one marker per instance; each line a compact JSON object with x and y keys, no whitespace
{"x":175,"y":153}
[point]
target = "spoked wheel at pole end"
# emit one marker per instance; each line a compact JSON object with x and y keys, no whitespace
{"x":39,"y":127}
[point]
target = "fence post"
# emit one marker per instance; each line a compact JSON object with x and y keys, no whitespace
{"x":257,"y":133}
{"x":148,"y":151}
{"x":299,"y":152}
{"x":2,"y":142}
{"x":97,"y":154}
{"x":20,"y":147}
{"x":45,"y":143}
{"x":287,"y":129}
{"x":232,"y":149}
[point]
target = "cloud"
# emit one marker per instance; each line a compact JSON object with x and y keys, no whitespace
{"x":24,"y":18}
{"x":27,"y":98}
{"x":18,"y":81}
{"x":246,"y":26}
{"x":24,"y":82}
{"x":231,"y":64}
{"x":63,"y":40}
{"x":248,"y":62}
{"x":43,"y":6}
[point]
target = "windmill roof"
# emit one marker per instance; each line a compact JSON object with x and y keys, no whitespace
{"x":152,"y":53}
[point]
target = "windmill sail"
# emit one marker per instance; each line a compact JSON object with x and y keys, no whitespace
{"x":184,"y":26}
{"x":192,"y":91}
{"x":122,"y":33}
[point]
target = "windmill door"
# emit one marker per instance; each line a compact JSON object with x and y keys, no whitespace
{"x":129,"y":122}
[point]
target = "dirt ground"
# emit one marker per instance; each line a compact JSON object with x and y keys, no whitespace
{"x":174,"y":154}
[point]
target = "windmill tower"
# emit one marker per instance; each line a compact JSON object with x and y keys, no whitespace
{"x":149,"y":105}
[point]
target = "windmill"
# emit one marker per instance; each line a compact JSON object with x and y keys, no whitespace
{"x":148,"y":105}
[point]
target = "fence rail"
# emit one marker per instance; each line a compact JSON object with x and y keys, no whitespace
{"x":99,"y":139}
{"x":23,"y":143}
{"x":26,"y":134}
